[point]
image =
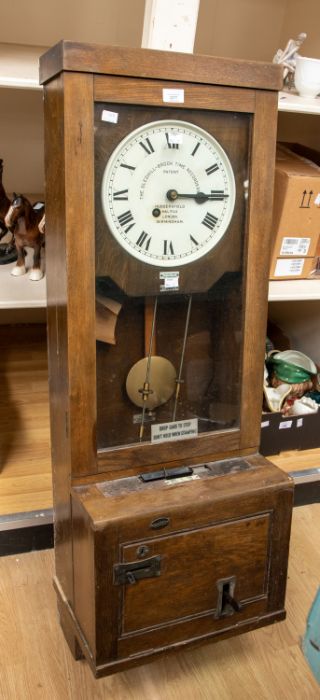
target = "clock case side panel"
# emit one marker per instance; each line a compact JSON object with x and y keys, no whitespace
{"x":70,"y":297}
{"x":257,"y":261}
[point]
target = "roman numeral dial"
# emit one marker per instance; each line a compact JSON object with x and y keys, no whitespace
{"x":212,"y":169}
{"x":147,"y":146}
{"x":168,"y":248}
{"x":125,"y":219}
{"x":167,"y":193}
{"x":120,"y":196}
{"x":210,"y":220}
{"x":144,"y":240}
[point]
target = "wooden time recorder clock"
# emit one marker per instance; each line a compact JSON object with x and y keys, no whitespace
{"x":170,"y":528}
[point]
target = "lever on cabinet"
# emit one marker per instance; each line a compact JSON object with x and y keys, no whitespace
{"x":226,"y":604}
{"x":228,"y":599}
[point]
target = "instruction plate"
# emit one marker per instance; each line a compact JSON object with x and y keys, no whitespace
{"x":175,"y":430}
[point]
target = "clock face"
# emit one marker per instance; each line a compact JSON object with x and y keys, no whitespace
{"x":168,"y":193}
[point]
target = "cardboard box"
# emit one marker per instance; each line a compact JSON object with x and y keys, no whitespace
{"x":280,"y":433}
{"x":292,"y":268}
{"x":315,"y":268}
{"x":296,"y":212}
{"x":300,"y":150}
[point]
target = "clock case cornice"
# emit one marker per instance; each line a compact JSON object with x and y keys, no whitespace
{"x":147,"y":63}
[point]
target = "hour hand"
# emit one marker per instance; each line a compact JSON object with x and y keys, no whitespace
{"x":199,"y":197}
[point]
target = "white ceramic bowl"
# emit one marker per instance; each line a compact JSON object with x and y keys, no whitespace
{"x":307,"y":76}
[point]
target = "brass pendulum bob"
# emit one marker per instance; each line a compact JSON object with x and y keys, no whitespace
{"x":151,"y":381}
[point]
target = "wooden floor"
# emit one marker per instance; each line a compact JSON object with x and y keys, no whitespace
{"x":25,"y":465}
{"x":35,"y":662}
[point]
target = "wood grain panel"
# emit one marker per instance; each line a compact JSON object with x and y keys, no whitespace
{"x":150,"y":92}
{"x":57,"y":328}
{"x":199,"y":449}
{"x":258,"y":253}
{"x":79,"y":231}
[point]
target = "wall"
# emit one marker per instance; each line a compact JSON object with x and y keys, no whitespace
{"x":255,"y":29}
{"x":251,"y":29}
{"x":44,"y":22}
{"x":248,"y":29}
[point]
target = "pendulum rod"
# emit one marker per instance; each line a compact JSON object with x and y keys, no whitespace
{"x":148,"y":320}
{"x":179,"y":379}
{"x":145,"y":391}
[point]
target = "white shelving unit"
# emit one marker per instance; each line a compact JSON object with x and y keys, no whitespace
{"x":294,"y":290}
{"x":19,"y":76}
{"x":19,"y":66}
{"x":21,"y":292}
{"x":292,"y":102}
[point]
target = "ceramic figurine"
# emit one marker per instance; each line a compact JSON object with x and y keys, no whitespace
{"x":287,"y":58}
{"x":23,"y":219}
{"x":7,"y":250}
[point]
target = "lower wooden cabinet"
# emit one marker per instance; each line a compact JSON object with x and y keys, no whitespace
{"x":170,"y":562}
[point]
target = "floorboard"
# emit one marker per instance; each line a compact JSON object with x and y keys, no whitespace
{"x":25,"y":461}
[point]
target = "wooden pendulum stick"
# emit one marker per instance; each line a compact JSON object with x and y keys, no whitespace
{"x":146,"y":391}
{"x":179,"y":379}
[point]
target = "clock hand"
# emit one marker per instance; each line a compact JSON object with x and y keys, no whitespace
{"x":179,"y":380}
{"x":199,"y":197}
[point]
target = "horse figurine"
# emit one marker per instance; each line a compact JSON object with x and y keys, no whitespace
{"x":42,"y":225}
{"x":4,"y":206}
{"x":23,"y":219}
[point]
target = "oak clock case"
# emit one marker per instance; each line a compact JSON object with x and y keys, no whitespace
{"x":170,"y":528}
{"x":170,"y":207}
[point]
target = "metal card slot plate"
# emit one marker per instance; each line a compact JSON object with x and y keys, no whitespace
{"x":130,"y":572}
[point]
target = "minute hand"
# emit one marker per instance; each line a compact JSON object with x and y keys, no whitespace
{"x":199,"y":197}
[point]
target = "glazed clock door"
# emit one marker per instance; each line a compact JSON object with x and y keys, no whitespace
{"x":170,"y":204}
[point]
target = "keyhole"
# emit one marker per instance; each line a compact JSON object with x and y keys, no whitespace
{"x":142,"y":551}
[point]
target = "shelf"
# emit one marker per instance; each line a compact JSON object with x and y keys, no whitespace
{"x":294,"y":290}
{"x":19,"y":69}
{"x":19,"y":66}
{"x":21,"y":292}
{"x":289,"y":102}
{"x":302,"y":465}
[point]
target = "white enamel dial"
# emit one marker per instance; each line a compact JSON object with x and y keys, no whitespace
{"x":168,"y":193}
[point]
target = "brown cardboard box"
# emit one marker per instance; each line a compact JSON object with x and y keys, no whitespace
{"x":292,"y":268}
{"x":314,"y":273}
{"x":300,"y":150}
{"x":296,"y":213}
